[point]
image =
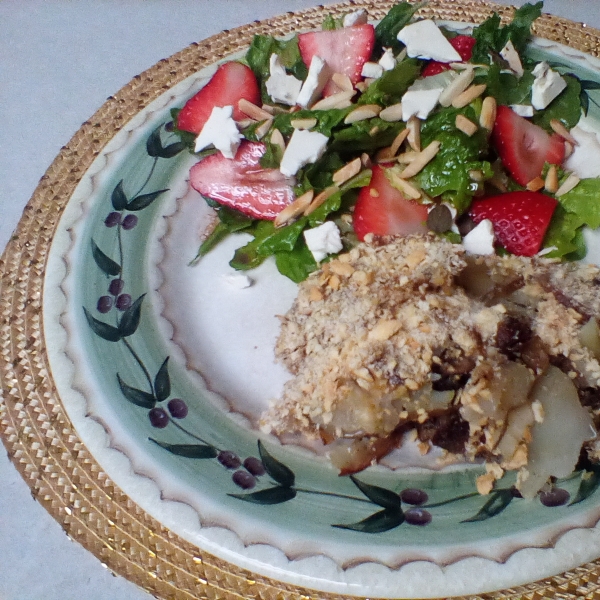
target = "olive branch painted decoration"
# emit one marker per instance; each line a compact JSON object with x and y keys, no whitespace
{"x":392,"y":509}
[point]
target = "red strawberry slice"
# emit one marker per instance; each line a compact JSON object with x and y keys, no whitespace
{"x":231,"y":82}
{"x":463,"y":44}
{"x":241,"y":182}
{"x":383,"y":210}
{"x":345,"y":50}
{"x":520,"y":219}
{"x":524,"y":147}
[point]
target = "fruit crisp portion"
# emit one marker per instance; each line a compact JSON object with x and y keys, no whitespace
{"x":492,"y":358}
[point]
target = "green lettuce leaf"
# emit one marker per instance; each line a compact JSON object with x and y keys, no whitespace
{"x":390,"y":87}
{"x":396,"y":19}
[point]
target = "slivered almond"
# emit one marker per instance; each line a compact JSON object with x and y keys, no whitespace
{"x":263,"y":128}
{"x":535,"y":184}
{"x":348,"y":171}
{"x":551,"y":182}
{"x":268,"y":108}
{"x":339,"y":100}
{"x":466,"y":97}
{"x":414,"y":134}
{"x":407,"y":157}
{"x":362,"y":86}
{"x":320,"y":198}
{"x":487,"y":118}
{"x":243,"y":123}
{"x":374,"y":130}
{"x":564,"y":133}
{"x":384,"y":155}
{"x":569,"y":148}
{"x":294,"y":210}
{"x":409,"y":190}
{"x":398,"y":141}
{"x":277,"y":139}
{"x":342,"y":81}
{"x":421,"y":160}
{"x":253,"y":111}
{"x":569,"y":183}
{"x":392,"y":113}
{"x":457,"y":87}
{"x":307,"y":123}
{"x":465,"y":125}
{"x":461,"y":66}
{"x":363,"y":112}
{"x":365,"y":159}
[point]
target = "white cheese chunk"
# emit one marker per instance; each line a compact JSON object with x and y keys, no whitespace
{"x":523,"y":110}
{"x":585,"y":160}
{"x":511,"y":56}
{"x":424,"y":39}
{"x":319,"y":74}
{"x":323,"y":240}
{"x":305,"y":147}
{"x":387,"y":60}
{"x":372,"y":70}
{"x":419,"y":102}
{"x":221,"y":131}
{"x":280,"y":86}
{"x":358,"y":17}
{"x":237,"y":281}
{"x":480,"y":240}
{"x":548,"y":84}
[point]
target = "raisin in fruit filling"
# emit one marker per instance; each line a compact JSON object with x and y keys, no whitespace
{"x":514,"y":333}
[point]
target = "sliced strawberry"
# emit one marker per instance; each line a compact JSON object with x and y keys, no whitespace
{"x":520,"y":219}
{"x":231,"y":82}
{"x":463,"y":44}
{"x":383,"y":210}
{"x":524,"y":147}
{"x":345,"y":50}
{"x":241,"y":182}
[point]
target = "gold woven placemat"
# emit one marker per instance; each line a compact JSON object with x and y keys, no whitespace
{"x":39,"y":437}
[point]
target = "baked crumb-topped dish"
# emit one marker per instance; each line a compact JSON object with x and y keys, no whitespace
{"x":491,"y":358}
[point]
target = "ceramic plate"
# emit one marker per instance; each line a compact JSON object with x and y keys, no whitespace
{"x":163,"y":369}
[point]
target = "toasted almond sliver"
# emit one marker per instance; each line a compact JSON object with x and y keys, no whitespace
{"x":339,"y":100}
{"x":263,"y":128}
{"x":409,"y":190}
{"x":456,"y":87}
{"x":487,"y":118}
{"x":320,"y":198}
{"x":243,"y":123}
{"x":342,"y":81}
{"x":366,"y":161}
{"x":398,"y":141}
{"x":253,"y":111}
{"x":348,"y":171}
{"x":407,"y":157}
{"x":307,"y":123}
{"x":414,"y":134}
{"x":392,"y":113}
{"x":295,"y":209}
{"x":535,"y":184}
{"x":465,"y":125}
{"x":569,"y":148}
{"x":420,"y":161}
{"x":472,"y":92}
{"x":564,"y":133}
{"x":569,"y":183}
{"x":551,"y":182}
{"x":268,"y":108}
{"x":363,"y":112}
{"x":384,"y":155}
{"x":277,"y":139}
{"x":361,"y":86}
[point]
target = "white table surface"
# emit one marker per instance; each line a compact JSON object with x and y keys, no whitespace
{"x":59,"y":61}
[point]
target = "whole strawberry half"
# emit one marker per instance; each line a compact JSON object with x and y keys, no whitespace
{"x":463,"y":44}
{"x":524,"y":147}
{"x":345,"y":50}
{"x":231,"y":82}
{"x":383,"y":210}
{"x":241,"y":183}
{"x":520,"y":219}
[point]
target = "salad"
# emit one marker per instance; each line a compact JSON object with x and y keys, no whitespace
{"x":313,"y":143}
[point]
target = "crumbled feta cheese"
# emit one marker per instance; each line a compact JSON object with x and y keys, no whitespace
{"x":372,"y":70}
{"x":585,"y":160}
{"x":323,"y":240}
{"x":318,"y":76}
{"x":424,"y":39}
{"x":523,"y":110}
{"x":221,"y":131}
{"x":387,"y":60}
{"x":237,"y":281}
{"x":358,"y":17}
{"x":548,"y":84}
{"x":280,"y":86}
{"x":511,"y":56}
{"x":480,"y":240}
{"x":304,"y":147}
{"x":419,"y":102}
